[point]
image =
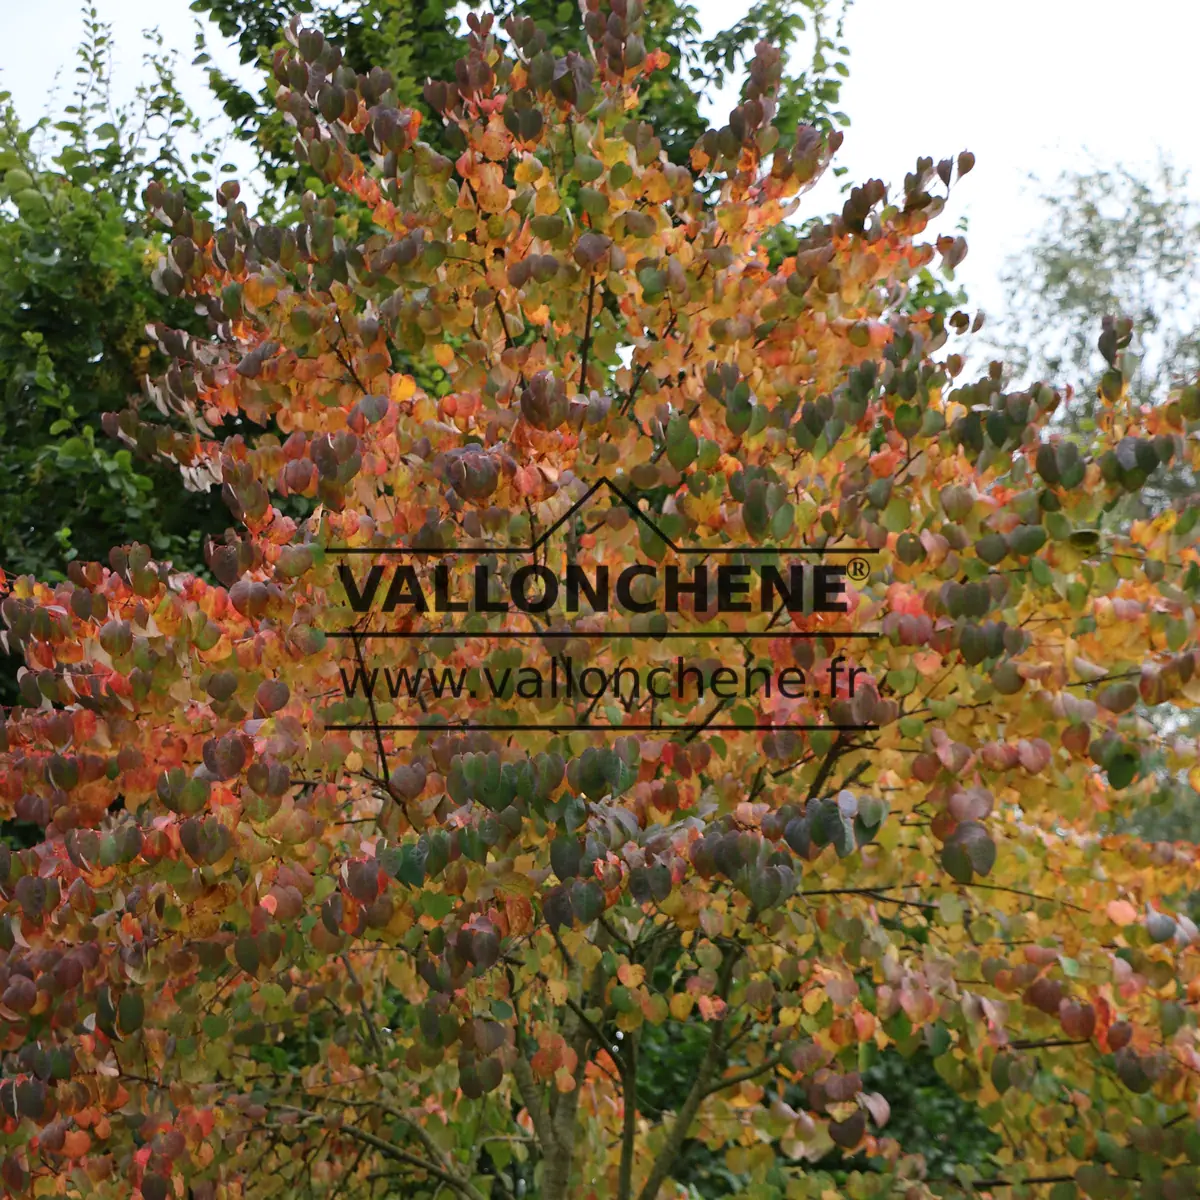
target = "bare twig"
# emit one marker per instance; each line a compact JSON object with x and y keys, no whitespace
{"x":366,"y":1013}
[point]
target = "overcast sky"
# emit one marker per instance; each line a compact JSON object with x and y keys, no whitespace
{"x":1030,"y":86}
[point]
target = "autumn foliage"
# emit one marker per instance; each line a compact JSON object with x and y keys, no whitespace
{"x":275,"y":939}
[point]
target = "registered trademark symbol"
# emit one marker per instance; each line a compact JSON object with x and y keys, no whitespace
{"x":858,"y":569}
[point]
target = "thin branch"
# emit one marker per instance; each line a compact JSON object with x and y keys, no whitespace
{"x":587,"y":338}
{"x":347,"y":363}
{"x":826,"y":768}
{"x":757,"y":786}
{"x":856,"y":773}
{"x":463,"y":1187}
{"x":383,"y":762}
{"x":503,"y":323}
{"x":337,"y":1191}
{"x":644,"y":367}
{"x":879,"y":894}
{"x":806,"y":758}
{"x":742,"y":1076}
{"x":366,"y":1012}
{"x":1047,"y":1043}
{"x":997,"y":887}
{"x":983,"y":1184}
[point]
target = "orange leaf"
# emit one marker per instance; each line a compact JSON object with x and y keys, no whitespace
{"x":76,"y":1143}
{"x":631,"y":975}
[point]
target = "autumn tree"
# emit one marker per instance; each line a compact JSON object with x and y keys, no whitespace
{"x":332,"y":893}
{"x":418,"y":41}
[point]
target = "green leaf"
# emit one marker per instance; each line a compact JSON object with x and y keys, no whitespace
{"x":437,"y":905}
{"x":682,"y":443}
{"x":411,"y":868}
{"x":131,"y":1012}
{"x":1121,"y":769}
{"x":897,"y":517}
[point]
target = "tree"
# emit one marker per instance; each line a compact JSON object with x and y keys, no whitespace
{"x":419,"y":42}
{"x":75,"y":299}
{"x":1113,"y":243}
{"x":300,"y":921}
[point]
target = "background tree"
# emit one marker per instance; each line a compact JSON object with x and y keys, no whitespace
{"x":1116,"y":250}
{"x":1113,"y":243}
{"x":462,"y":935}
{"x":75,"y":300}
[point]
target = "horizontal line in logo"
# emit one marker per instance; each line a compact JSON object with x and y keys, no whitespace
{"x":701,"y":726}
{"x":518,"y":635}
{"x":851,"y":550}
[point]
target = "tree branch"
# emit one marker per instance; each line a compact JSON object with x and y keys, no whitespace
{"x":366,"y":1014}
{"x":1048,"y":1043}
{"x":531,"y":1098}
{"x":826,"y":768}
{"x":742,"y":1076}
{"x":587,"y":338}
{"x":687,"y":1114}
{"x":998,"y":887}
{"x":983,"y":1184}
{"x":463,"y":1187}
{"x":384,"y":769}
{"x":628,"y":1122}
{"x":557,"y":1173}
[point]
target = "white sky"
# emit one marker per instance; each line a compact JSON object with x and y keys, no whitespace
{"x":1030,"y":86}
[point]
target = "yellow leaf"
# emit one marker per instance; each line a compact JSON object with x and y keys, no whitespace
{"x":403,"y":386}
{"x":258,"y":292}
{"x":681,"y":1006}
{"x":628,"y":1022}
{"x":528,"y":170}
{"x":588,"y":955}
{"x":547,"y":202}
{"x":631,"y":976}
{"x":400,"y":975}
{"x":443,"y":355}
{"x":400,"y":923}
{"x":558,"y":991}
{"x":516,"y":883}
{"x":814,"y":1001}
{"x":657,"y":187}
